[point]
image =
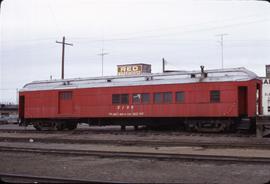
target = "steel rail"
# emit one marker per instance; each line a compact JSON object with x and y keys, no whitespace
{"x":138,"y":155}
{"x":6,"y":177}
{"x":89,"y":131}
{"x":167,"y":143}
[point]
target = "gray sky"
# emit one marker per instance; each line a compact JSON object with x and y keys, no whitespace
{"x":134,"y":31}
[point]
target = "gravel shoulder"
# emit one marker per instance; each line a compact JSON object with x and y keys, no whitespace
{"x":135,"y":170}
{"x":138,"y":171}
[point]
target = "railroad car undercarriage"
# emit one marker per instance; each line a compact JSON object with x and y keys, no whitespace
{"x":187,"y":124}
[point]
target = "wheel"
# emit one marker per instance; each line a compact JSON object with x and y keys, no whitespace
{"x":72,"y":126}
{"x":37,"y":126}
{"x":60,"y":126}
{"x":41,"y":126}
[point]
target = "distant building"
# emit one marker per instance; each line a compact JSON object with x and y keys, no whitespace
{"x":267,"y":71}
{"x":8,"y":113}
{"x":266,"y":91}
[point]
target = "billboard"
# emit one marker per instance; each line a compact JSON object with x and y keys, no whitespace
{"x":133,"y":69}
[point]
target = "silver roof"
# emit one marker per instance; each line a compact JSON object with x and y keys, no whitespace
{"x":218,"y":75}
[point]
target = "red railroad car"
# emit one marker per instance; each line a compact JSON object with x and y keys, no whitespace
{"x":212,"y":100}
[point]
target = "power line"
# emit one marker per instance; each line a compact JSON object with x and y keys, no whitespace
{"x":8,"y":89}
{"x":183,"y":26}
{"x":87,"y":39}
{"x":178,"y":33}
{"x":54,"y":18}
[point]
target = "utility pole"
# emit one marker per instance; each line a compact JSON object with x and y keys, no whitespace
{"x":221,"y":44}
{"x":102,"y":54}
{"x":63,"y":55}
{"x":0,"y":4}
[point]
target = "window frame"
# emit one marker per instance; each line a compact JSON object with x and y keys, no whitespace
{"x":139,"y":98}
{"x":126,"y":99}
{"x":118,"y":97}
{"x":165,"y":99}
{"x":161,"y":98}
{"x":215,"y":98}
{"x":182,"y":99}
{"x":143,"y":95}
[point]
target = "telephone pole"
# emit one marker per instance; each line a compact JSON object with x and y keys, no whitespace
{"x":102,"y":54}
{"x":0,"y":4}
{"x":63,"y":55}
{"x":221,"y":44}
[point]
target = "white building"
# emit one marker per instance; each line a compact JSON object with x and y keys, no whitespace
{"x":265,"y":95}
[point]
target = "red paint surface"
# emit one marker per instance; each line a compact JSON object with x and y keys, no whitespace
{"x":97,"y":102}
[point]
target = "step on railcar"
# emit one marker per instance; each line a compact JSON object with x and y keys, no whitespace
{"x":204,"y":100}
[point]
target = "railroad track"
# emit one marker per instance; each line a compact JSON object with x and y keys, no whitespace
{"x":137,"y":155}
{"x":152,"y":143}
{"x":128,"y":132}
{"x":22,"y":178}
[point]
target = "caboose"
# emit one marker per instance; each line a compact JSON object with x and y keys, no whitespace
{"x":203,"y":100}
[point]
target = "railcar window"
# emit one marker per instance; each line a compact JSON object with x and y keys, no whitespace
{"x":116,"y":99}
{"x":124,"y":99}
{"x":179,"y":97}
{"x":136,"y":98}
{"x":167,"y":97}
{"x":215,"y":96}
{"x":65,"y":95}
{"x":157,"y":97}
{"x":145,"y":98}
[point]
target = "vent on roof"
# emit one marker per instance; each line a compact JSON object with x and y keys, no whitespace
{"x":66,"y":83}
{"x":203,"y":73}
{"x":149,"y":78}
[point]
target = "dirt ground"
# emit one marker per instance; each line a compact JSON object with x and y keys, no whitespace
{"x":133,"y":170}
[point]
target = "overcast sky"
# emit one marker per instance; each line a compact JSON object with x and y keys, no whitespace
{"x":184,"y":32}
